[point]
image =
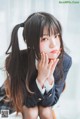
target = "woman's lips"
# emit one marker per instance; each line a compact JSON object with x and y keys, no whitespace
{"x":53,"y":54}
{"x":54,"y":51}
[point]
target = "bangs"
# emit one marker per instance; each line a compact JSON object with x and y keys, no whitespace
{"x":52,"y":26}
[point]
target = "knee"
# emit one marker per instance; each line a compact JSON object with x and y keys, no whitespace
{"x":33,"y":114}
{"x":30,"y":113}
{"x":46,"y":113}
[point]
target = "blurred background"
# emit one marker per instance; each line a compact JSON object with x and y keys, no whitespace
{"x":16,"y":11}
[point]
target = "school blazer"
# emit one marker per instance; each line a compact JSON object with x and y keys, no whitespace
{"x":50,"y":98}
{"x":46,"y":99}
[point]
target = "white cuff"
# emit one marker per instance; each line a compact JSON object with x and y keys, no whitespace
{"x":42,"y":90}
{"x":48,"y":86}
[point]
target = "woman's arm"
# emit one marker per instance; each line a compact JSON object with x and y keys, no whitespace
{"x":50,"y":98}
{"x":53,"y":95}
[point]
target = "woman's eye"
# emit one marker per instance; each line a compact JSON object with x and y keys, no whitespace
{"x":44,"y":39}
{"x":55,"y":36}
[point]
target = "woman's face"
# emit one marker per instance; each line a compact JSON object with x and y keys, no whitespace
{"x":50,"y":44}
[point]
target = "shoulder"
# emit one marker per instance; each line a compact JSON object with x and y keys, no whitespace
{"x":67,"y":61}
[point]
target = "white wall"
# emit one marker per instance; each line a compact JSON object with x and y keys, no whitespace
{"x":12,"y":12}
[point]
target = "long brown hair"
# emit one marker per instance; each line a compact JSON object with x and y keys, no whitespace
{"x":20,"y":64}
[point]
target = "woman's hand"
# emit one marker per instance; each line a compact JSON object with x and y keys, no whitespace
{"x":55,"y":61}
{"x":44,"y":68}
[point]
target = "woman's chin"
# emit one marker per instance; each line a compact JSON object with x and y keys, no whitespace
{"x":53,"y":56}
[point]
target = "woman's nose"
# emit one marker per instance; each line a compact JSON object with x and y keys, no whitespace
{"x":52,"y":43}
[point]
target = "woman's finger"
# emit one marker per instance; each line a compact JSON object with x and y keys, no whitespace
{"x":58,"y":53}
{"x":50,"y":65}
{"x":40,"y":61}
{"x":54,"y":65}
{"x":46,"y":60}
{"x":43,"y":59}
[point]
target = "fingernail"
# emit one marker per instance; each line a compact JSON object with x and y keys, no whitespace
{"x":46,"y":54}
{"x":60,"y":49}
{"x":43,"y":53}
{"x":51,"y":61}
{"x":57,"y":59}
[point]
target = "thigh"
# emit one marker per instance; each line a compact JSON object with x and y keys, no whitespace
{"x":30,"y":113}
{"x":45,"y":112}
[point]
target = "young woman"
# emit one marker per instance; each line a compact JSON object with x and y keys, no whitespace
{"x":37,"y":75}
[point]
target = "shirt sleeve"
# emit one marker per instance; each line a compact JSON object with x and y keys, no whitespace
{"x":47,"y":86}
{"x":42,"y":90}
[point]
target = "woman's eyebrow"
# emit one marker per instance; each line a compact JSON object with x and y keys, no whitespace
{"x":45,"y":34}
